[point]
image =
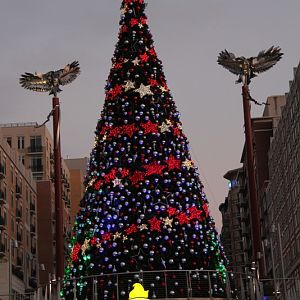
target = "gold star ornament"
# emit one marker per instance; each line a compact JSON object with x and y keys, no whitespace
{"x":136,"y":61}
{"x":129,"y":85}
{"x":117,"y":235}
{"x":168,"y":221}
{"x":144,"y":90}
{"x":143,"y":227}
{"x":188,"y":164}
{"x":164,"y":127}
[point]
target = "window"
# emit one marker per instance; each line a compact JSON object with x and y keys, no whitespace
{"x":9,"y":140}
{"x":21,"y":142}
{"x":36,"y":144}
{"x":37,"y":164}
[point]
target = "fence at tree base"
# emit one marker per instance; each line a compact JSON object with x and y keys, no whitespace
{"x":169,"y":284}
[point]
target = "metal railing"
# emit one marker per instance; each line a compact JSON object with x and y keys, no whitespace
{"x":191,"y":285}
{"x":35,"y":149}
{"x":170,"y":284}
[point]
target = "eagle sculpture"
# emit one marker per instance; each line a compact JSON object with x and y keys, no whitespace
{"x":248,"y":68}
{"x":50,"y":82}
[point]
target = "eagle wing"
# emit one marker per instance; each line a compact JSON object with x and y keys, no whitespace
{"x":265,"y":60}
{"x":69,"y":73}
{"x":35,"y":83}
{"x":230,"y":62}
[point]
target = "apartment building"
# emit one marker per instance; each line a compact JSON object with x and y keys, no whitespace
{"x":18,"y":225}
{"x":282,"y":197}
{"x":77,"y":168}
{"x":34,"y":145}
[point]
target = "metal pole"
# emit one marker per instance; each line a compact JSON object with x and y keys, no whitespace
{"x":58,"y":191}
{"x":255,"y":222}
{"x":209,"y":285}
{"x":10,"y":270}
{"x":273,"y":267}
{"x":50,"y":286}
{"x":281,"y":260}
{"x":117,"y":287}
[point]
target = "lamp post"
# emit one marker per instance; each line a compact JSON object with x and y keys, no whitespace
{"x":58,"y":189}
{"x":246,"y":69}
{"x":51,"y":82}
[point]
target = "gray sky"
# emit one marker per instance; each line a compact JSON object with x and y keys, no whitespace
{"x":188,"y":34}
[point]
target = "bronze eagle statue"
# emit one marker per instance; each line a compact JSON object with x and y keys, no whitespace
{"x":50,"y":81}
{"x":248,"y":68}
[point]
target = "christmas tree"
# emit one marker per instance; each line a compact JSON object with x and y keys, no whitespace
{"x":144,"y":206}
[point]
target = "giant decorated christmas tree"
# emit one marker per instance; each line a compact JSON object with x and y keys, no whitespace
{"x":144,"y":207}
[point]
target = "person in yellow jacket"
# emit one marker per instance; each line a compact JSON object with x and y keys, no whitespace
{"x":138,"y":293}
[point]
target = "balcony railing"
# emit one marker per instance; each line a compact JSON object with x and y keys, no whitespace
{"x":2,"y":197}
{"x":33,"y":250}
{"x":3,"y":223}
{"x":33,"y":283}
{"x":19,"y":262}
{"x":18,"y":214}
{"x":18,"y":191}
{"x":32,"y":207}
{"x":68,"y":202}
{"x":19,"y":237}
{"x":35,"y":149}
{"x":2,"y":249}
{"x":32,"y":229}
{"x":18,"y":272}
{"x":2,"y":171}
{"x":37,"y":169}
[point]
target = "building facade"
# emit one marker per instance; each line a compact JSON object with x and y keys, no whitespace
{"x":18,"y":226}
{"x":77,"y":168}
{"x":239,"y":221}
{"x":34,"y":146}
{"x":282,"y":197}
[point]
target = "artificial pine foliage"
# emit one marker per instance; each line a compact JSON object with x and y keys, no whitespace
{"x":144,"y":207}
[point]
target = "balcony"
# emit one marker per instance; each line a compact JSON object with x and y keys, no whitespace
{"x":2,"y":197}
{"x":18,"y":192}
{"x":32,"y":282}
{"x":32,"y":229}
{"x":51,"y":158}
{"x":2,"y":172}
{"x":18,"y":272}
{"x":33,"y":149}
{"x":33,"y":273}
{"x":3,"y":223}
{"x":33,"y":250}
{"x":19,"y":237}
{"x":68,"y":202}
{"x":2,"y":250}
{"x":37,"y":169}
{"x":32,"y":208}
{"x":18,"y":214}
{"x":19,"y":262}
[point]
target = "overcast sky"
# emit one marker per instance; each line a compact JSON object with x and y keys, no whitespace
{"x":188,"y":34}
